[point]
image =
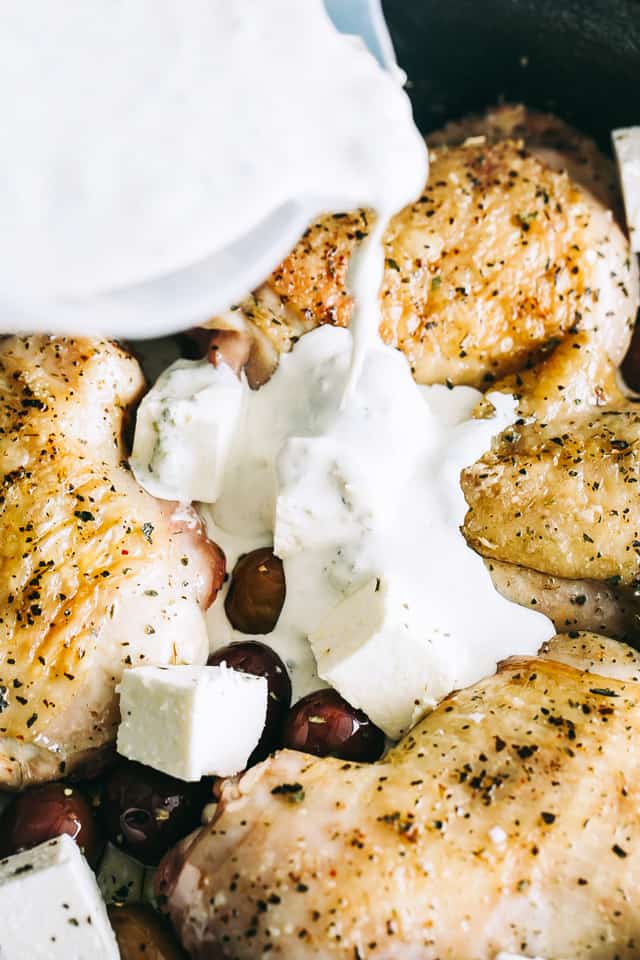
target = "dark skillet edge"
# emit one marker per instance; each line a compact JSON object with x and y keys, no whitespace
{"x":577,"y":58}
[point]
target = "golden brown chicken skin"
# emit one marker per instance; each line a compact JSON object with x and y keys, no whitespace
{"x":94,"y":574}
{"x":497,"y":263}
{"x":549,"y":138}
{"x":561,"y":498}
{"x":506,"y":820}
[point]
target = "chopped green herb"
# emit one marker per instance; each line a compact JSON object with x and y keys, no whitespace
{"x":292,"y":792}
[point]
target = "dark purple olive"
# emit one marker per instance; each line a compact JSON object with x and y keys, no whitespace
{"x":251,"y":656}
{"x":42,"y":813}
{"x":146,"y":811}
{"x":324,"y":724}
{"x":256,"y":593}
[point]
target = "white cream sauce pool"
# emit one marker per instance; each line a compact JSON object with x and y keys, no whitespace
{"x":358,"y":496}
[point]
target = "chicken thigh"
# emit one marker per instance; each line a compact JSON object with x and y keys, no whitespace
{"x":547,"y":136}
{"x":499,"y":261}
{"x":95,"y":575}
{"x":561,"y":498}
{"x":478,"y":833}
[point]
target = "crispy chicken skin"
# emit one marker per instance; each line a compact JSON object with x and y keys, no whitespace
{"x":561,"y":498}
{"x":478,"y":833}
{"x":595,"y":654}
{"x":499,"y":261}
{"x":547,"y":137}
{"x":95,"y":575}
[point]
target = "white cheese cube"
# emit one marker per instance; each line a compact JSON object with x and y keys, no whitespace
{"x":191,"y":722}
{"x":50,"y":906}
{"x":184,"y":430}
{"x":372,"y":652}
{"x":314,"y":485}
{"x":627,"y":147}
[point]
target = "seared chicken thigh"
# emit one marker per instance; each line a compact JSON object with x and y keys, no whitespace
{"x":561,"y":498}
{"x":499,"y":261}
{"x":506,"y":820}
{"x":547,"y":137}
{"x":95,"y":575}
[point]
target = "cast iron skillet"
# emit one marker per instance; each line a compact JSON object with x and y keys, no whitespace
{"x":577,"y":58}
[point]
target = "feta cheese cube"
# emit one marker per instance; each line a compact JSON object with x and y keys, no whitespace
{"x":191,"y":722}
{"x":51,"y":906}
{"x":370,"y":650}
{"x":184,"y":429}
{"x":314,"y":485}
{"x":627,"y":146}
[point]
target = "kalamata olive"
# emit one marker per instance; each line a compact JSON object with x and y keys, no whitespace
{"x":324,"y":724}
{"x":146,"y":811}
{"x":251,"y":656}
{"x":256,"y":593}
{"x":143,"y":935}
{"x":631,"y":363}
{"x":42,"y":813}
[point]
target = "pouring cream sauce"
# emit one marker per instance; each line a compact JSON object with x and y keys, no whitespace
{"x":341,"y":461}
{"x":141,"y":137}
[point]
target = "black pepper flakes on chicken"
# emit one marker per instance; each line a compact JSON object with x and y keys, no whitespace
{"x":477,"y":834}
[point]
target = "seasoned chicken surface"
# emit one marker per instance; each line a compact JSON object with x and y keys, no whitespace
{"x":499,"y":261}
{"x":548,"y":138}
{"x":595,"y":654}
{"x":95,"y":575}
{"x":613,"y":611}
{"x":561,"y":498}
{"x":507,"y":820}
